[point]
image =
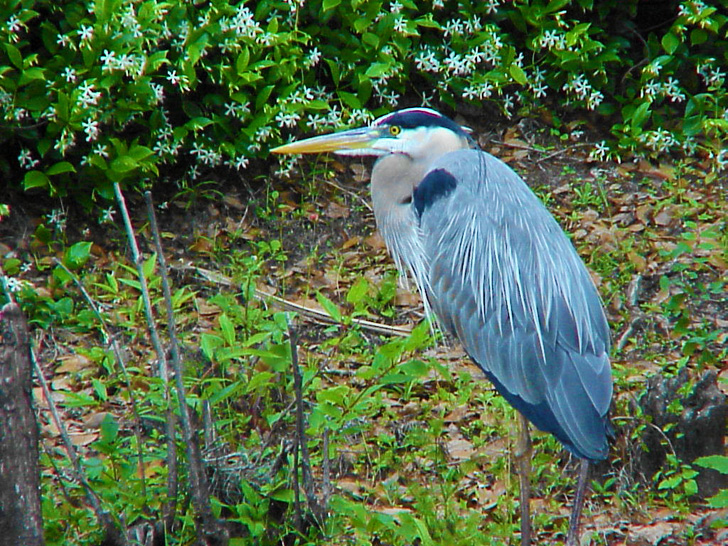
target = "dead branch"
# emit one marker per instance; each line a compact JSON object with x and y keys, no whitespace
{"x":308,"y":312}
{"x":210,"y":530}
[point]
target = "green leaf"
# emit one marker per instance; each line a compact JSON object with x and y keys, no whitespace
{"x":35,"y":179}
{"x":282,"y":494}
{"x":149,"y":265}
{"x":109,"y":429}
{"x":31,"y":74}
{"x":376,"y":70}
{"x":209,"y":343}
{"x":698,"y":36}
{"x":329,"y":306}
{"x":263,"y":96}
{"x":259,"y":379}
{"x":139,"y":152}
{"x":330,"y":4}
{"x":715,"y":462}
{"x":77,"y":255}
{"x":14,"y":55}
{"x":124,"y":164}
{"x":349,"y":99}
{"x":199,"y":122}
{"x":641,"y":113}
{"x":228,"y":329}
{"x":242,"y":61}
{"x":670,"y":42}
{"x":358,"y":291}
{"x":60,"y":167}
{"x":518,"y":74}
{"x":719,"y":500}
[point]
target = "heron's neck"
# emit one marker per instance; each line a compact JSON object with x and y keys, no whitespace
{"x":394,"y":178}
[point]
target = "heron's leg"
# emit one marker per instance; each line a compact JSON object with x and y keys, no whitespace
{"x":572,"y":539}
{"x":523,"y":455}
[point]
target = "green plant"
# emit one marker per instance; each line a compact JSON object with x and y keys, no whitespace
{"x":112,"y":93}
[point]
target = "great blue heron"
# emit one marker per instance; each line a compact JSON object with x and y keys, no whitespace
{"x":498,"y":272}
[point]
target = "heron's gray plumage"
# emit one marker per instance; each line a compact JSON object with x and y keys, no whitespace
{"x":502,"y":276}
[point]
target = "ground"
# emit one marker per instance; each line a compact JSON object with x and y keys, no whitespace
{"x":653,"y":234}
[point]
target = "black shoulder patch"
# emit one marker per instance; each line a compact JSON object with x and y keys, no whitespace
{"x":435,"y":185}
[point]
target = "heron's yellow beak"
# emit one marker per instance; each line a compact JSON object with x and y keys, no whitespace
{"x":350,"y":142}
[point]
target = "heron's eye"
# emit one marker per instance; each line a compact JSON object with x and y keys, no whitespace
{"x":395,"y":130}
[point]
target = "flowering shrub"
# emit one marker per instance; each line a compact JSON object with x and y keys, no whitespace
{"x":113,"y":90}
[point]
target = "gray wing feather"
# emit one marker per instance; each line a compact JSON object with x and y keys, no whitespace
{"x":507,"y":281}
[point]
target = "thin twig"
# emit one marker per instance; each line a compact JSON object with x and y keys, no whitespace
{"x":564,"y":150}
{"x":172,"y":474}
{"x":326,"y":487}
{"x":309,"y":312}
{"x":301,"y":443}
{"x":351,"y":193}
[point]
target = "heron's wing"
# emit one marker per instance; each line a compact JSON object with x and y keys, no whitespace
{"x":505,"y":279}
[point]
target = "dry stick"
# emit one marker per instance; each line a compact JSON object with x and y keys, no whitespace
{"x":114,"y":535}
{"x":301,"y":444}
{"x":110,"y":340}
{"x":210,"y":530}
{"x":173,"y":473}
{"x":326,"y":488}
{"x":309,"y":312}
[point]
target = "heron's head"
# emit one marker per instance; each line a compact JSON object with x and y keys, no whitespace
{"x":416,"y":132}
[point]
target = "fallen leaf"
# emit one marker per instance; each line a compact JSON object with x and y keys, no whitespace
{"x":334,"y":210}
{"x":83,"y":438}
{"x":94,"y":420}
{"x":73,"y":363}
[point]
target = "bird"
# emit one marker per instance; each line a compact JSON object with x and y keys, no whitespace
{"x":496,"y":271}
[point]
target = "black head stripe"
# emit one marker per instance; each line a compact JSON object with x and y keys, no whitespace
{"x":436,"y":185}
{"x":420,"y":117}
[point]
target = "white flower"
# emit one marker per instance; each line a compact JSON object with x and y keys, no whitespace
{"x":469,"y":93}
{"x":25,"y":158}
{"x":313,"y":59}
{"x":287,"y":119}
{"x":57,"y":218}
{"x":400,"y":25}
{"x":108,"y":58}
{"x":69,"y":74}
{"x":158,"y":91}
{"x":600,"y":151}
{"x":64,"y":41}
{"x":91,"y":128}
{"x":315,"y":121}
{"x":89,"y":96}
{"x":539,"y":89}
{"x":241,"y":162}
{"x":173,"y":78}
{"x":360,"y":116}
{"x":395,"y":6}
{"x":651,"y":89}
{"x":86,"y":33}
{"x":671,"y":88}
{"x":594,"y":100}
{"x":13,"y":284}
{"x":107,"y":216}
{"x":14,"y":24}
{"x":101,"y":150}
